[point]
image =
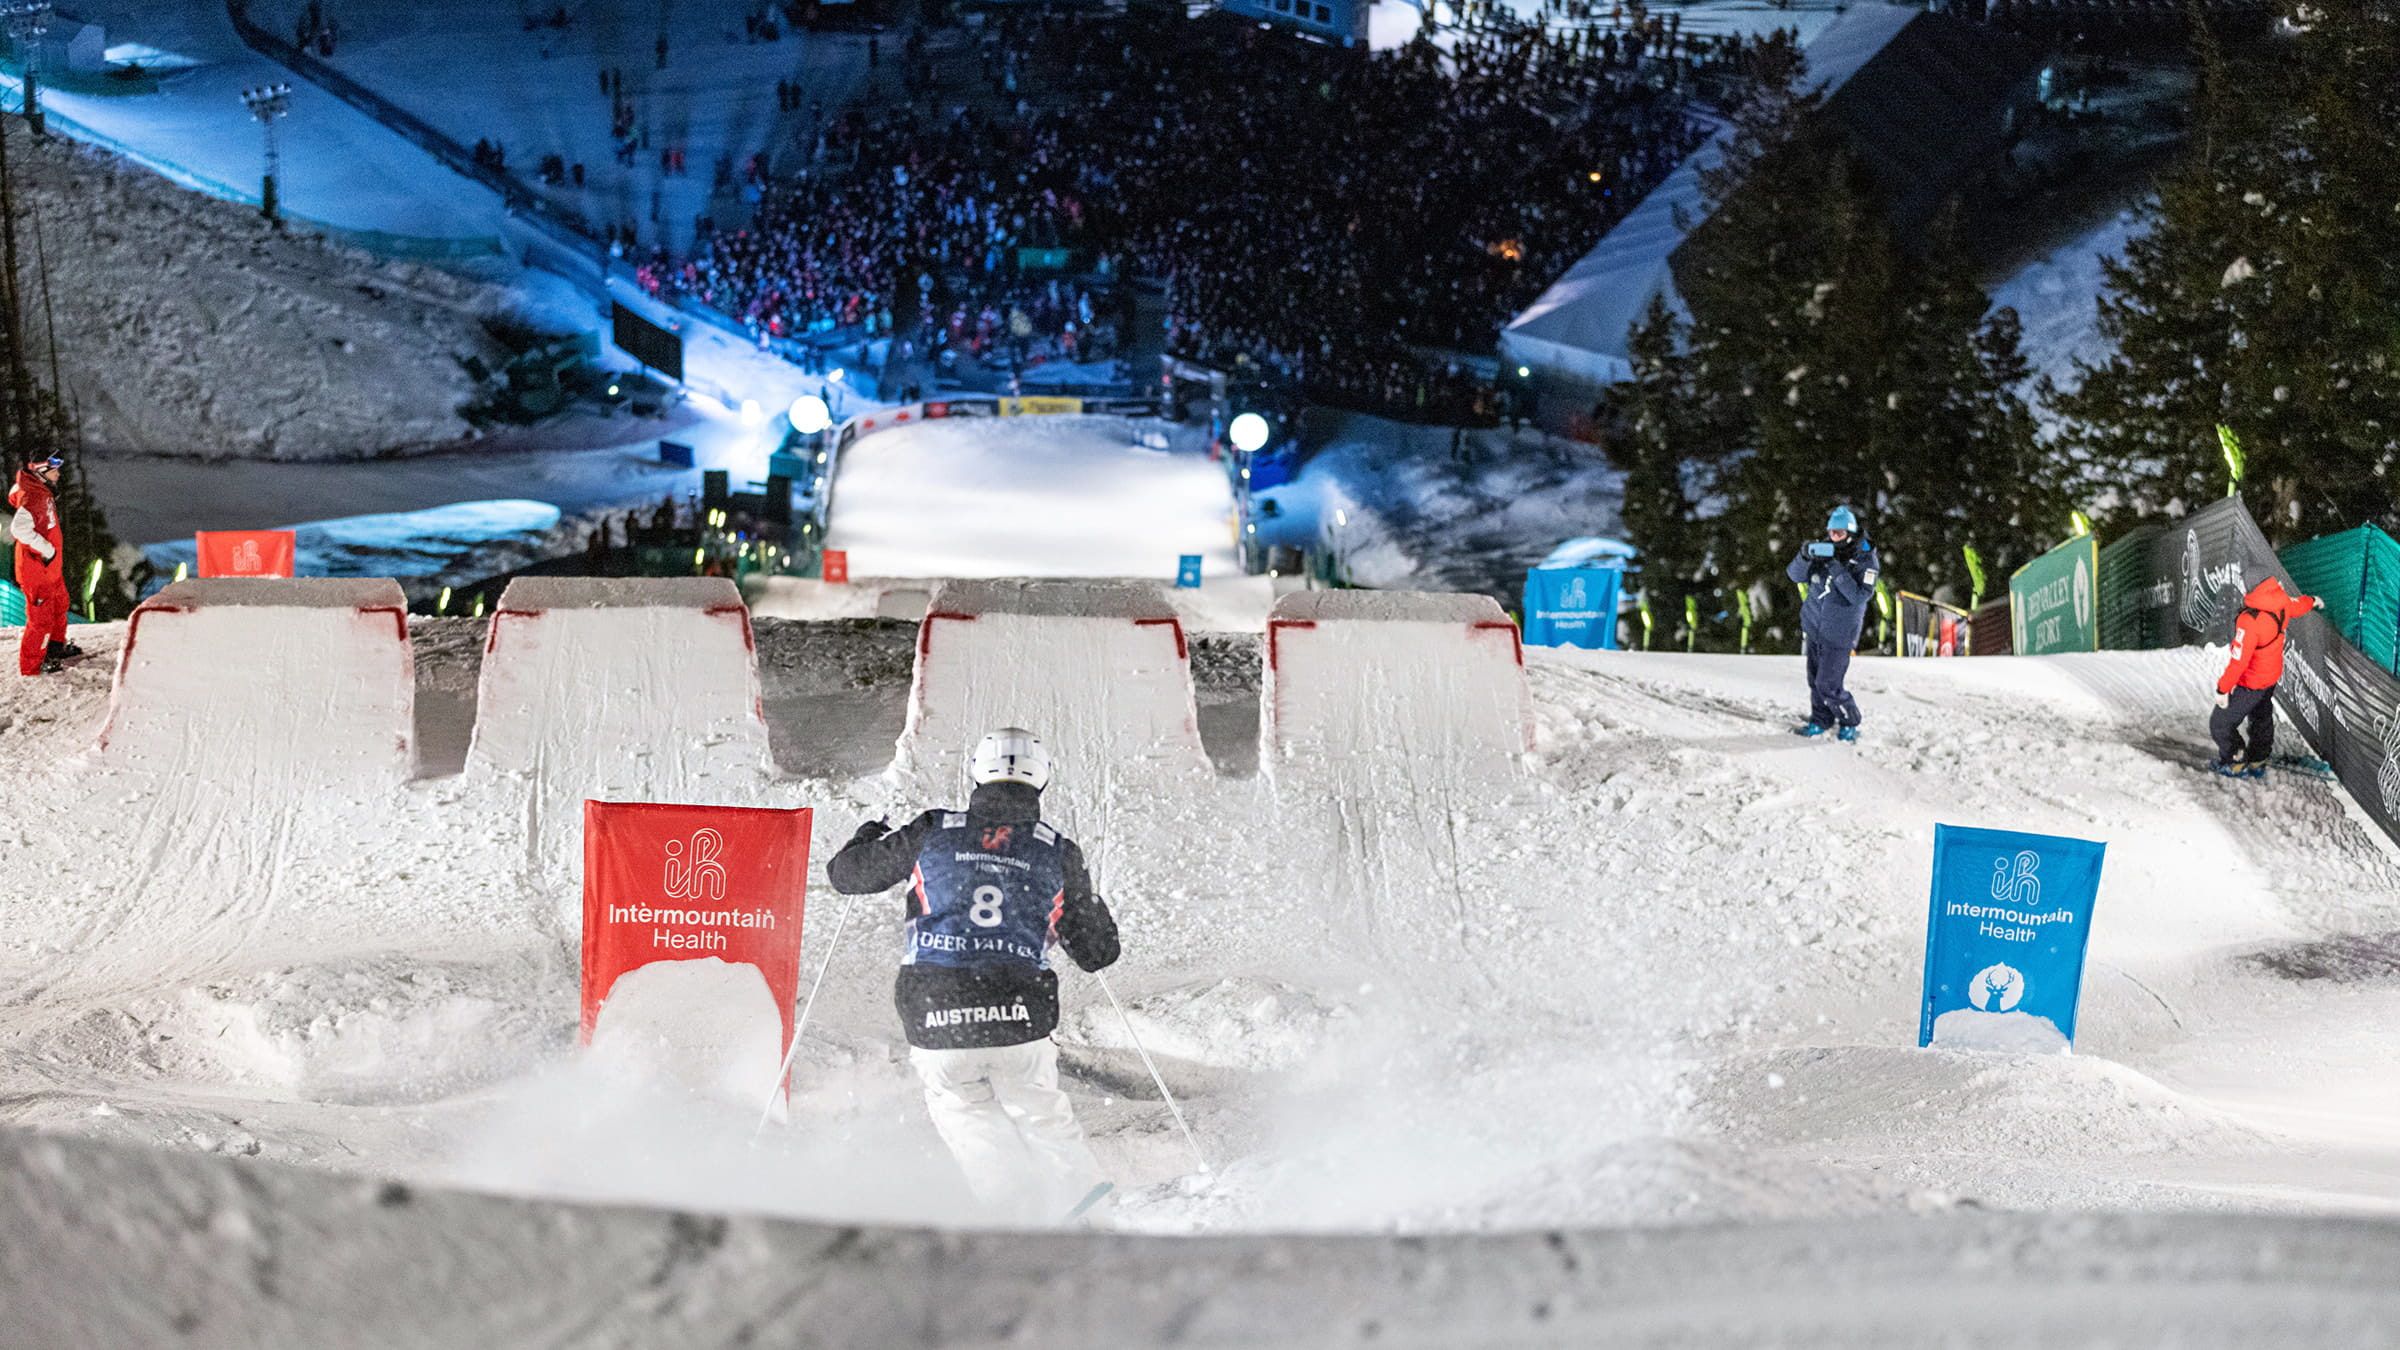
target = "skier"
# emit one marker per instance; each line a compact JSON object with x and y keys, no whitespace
{"x":1838,"y":574}
{"x":991,"y":888}
{"x":2246,"y":691}
{"x":41,"y":566}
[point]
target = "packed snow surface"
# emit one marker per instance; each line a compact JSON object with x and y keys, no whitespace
{"x":1028,"y":496}
{"x":1667,"y":974}
{"x":1100,"y":671}
{"x":1360,"y":681}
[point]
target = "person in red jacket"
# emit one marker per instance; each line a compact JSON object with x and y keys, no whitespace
{"x":41,"y":566}
{"x":2246,"y":691}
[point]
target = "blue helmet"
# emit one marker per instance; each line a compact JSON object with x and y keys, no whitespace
{"x":1843,"y":518}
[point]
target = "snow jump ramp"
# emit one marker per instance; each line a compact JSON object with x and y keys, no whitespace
{"x":297,"y":683}
{"x":634,"y":689}
{"x":1099,"y":670}
{"x":1435,"y":682}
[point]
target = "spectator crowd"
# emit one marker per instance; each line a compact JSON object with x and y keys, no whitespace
{"x":1359,"y":223}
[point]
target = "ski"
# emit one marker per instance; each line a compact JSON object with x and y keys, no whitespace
{"x":1091,"y":1198}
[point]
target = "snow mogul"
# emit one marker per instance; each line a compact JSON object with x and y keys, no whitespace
{"x":1837,"y":573}
{"x":991,"y":888}
{"x":2246,"y":691}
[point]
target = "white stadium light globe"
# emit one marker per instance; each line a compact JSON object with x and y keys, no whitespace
{"x":810,"y":415}
{"x":1249,"y":431}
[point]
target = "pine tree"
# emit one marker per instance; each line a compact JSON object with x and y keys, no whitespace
{"x":35,"y":421}
{"x":2265,"y":295}
{"x":1662,"y":428}
{"x":1961,"y":462}
{"x":1823,"y":364}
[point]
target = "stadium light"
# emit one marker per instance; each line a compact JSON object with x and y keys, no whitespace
{"x":810,"y":414}
{"x":1250,"y":432}
{"x":267,"y":103}
{"x":26,"y":24}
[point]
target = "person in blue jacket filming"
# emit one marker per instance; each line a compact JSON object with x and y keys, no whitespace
{"x":1837,"y":573}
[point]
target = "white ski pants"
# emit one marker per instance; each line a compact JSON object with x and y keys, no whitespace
{"x":1011,"y":1129}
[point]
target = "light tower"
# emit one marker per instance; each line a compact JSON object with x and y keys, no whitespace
{"x":27,"y":22}
{"x":267,"y":103}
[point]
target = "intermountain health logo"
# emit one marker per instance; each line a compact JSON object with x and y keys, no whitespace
{"x":693,"y":872}
{"x":2387,"y":774}
{"x":2201,"y":609}
{"x":2014,"y":881}
{"x":1575,"y":598}
{"x":247,"y":560}
{"x":2083,"y":596}
{"x":1996,"y":988}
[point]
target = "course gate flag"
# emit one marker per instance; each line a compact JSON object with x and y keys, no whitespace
{"x":836,"y":565}
{"x":685,"y":883}
{"x":246,"y":553}
{"x":1187,"y":571}
{"x":2004,"y":945}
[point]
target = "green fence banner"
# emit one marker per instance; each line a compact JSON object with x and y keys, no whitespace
{"x":2355,"y":576}
{"x":2050,"y":600}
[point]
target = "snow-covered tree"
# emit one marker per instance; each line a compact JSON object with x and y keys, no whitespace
{"x":2265,"y":296}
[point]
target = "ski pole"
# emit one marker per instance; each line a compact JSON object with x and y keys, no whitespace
{"x":1155,"y":1077}
{"x":801,"y":1022}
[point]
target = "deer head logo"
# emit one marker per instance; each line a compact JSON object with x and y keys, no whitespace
{"x":1996,"y":988}
{"x":696,"y":875}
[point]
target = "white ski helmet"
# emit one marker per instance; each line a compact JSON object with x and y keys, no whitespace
{"x":1010,"y":755}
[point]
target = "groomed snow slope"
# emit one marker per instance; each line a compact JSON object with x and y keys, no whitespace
{"x":1669,"y":976}
{"x":188,"y":327}
{"x":1056,"y":496}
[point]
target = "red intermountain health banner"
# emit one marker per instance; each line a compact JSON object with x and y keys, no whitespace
{"x":678,"y":883}
{"x":245,"y":553}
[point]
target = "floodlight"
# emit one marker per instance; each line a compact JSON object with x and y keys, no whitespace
{"x":810,"y":415}
{"x":1249,"y":432}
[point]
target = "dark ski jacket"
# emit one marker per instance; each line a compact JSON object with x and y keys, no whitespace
{"x":978,"y":1003}
{"x":1840,"y":589}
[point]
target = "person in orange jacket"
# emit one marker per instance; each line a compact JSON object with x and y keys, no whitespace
{"x":41,"y":566}
{"x":2246,"y":691}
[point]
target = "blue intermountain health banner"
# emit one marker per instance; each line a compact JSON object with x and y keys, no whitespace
{"x":2004,"y":945}
{"x":1187,"y":571}
{"x":1572,"y":606}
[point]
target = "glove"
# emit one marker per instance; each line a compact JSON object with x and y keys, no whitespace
{"x":873,"y":829}
{"x":1822,"y":548}
{"x":2224,"y":697}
